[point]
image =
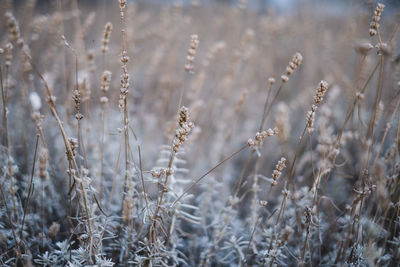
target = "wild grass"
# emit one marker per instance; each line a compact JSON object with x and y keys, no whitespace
{"x":204,"y":134}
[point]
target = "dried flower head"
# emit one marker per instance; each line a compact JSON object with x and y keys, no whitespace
{"x":271,"y":80}
{"x":105,"y":81}
{"x":282,"y":121}
{"x":90,"y":60}
{"x":293,"y":65}
{"x":260,"y":136}
{"x":278,"y":171}
{"x":374,"y":26}
{"x":183,"y":130}
{"x":122,"y":5}
{"x":73,"y":142}
{"x":13,"y":29}
{"x":319,"y":96}
{"x":9,"y":56}
{"x":310,"y":118}
{"x":54,"y":230}
{"x":103,"y":100}
{"x":76,"y":97}
{"x":194,"y":42}
{"x":43,"y":158}
{"x":124,"y":80}
{"x":284,"y":78}
{"x":106,"y":37}
{"x":127,"y":209}
{"x":321,"y":90}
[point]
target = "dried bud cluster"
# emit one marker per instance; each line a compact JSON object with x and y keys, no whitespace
{"x":319,"y":96}
{"x":106,"y":37}
{"x":127,"y":207}
{"x":282,"y":121}
{"x":124,"y":80}
{"x":321,"y":90}
{"x":76,"y":96}
{"x":90,"y":60}
{"x":293,"y":64}
{"x":8,"y":48}
{"x":73,"y":142}
{"x":310,"y":118}
{"x":105,"y":81}
{"x":38,"y":118}
{"x":261,"y":136}
{"x":194,"y":42}
{"x":278,"y":171}
{"x":43,"y":158}
{"x":374,"y":26}
{"x":184,"y":128}
{"x":124,"y":57}
{"x":122,"y":5}
{"x":128,"y":202}
{"x":105,"y":85}
{"x":13,"y":29}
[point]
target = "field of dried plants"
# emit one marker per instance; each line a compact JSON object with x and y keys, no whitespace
{"x":199,"y":134}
